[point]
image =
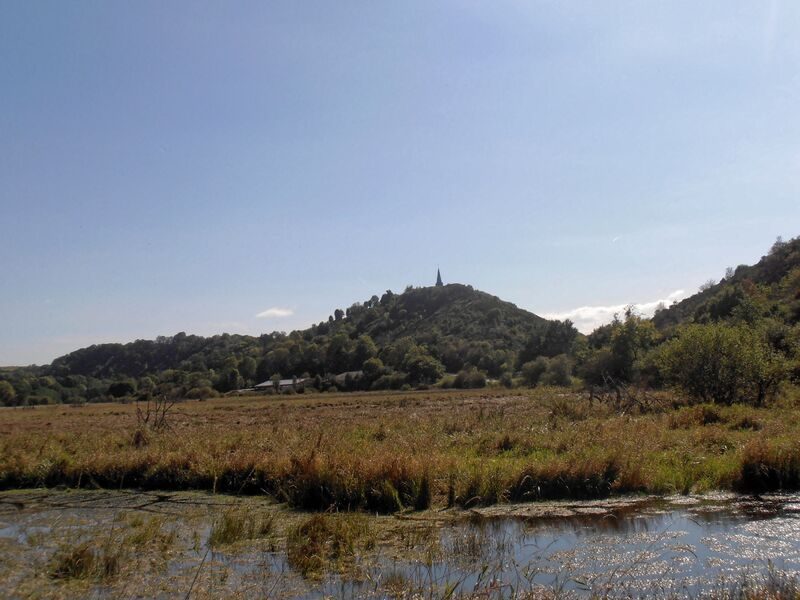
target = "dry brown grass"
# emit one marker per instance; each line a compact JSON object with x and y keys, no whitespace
{"x":383,"y":452}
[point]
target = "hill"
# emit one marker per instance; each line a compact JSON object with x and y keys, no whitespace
{"x":455,"y":312}
{"x":397,"y":339}
{"x":769,"y":289}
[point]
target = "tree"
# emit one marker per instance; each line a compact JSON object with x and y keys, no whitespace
{"x":364,"y":350}
{"x":630,"y":340}
{"x":373,"y":368}
{"x":553,"y":339}
{"x":620,"y":348}
{"x":247,"y":368}
{"x":708,"y":285}
{"x":421,"y":366}
{"x":7,"y":394}
{"x":337,"y":358}
{"x":121,"y":388}
{"x":276,"y":382}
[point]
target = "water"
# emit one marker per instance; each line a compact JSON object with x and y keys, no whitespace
{"x":680,"y":546}
{"x":657,"y":547}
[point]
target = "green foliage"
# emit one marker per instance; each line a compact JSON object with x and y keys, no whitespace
{"x":559,"y":370}
{"x":120,"y":389}
{"x":468,"y":378}
{"x":555,"y":371}
{"x":557,"y":337}
{"x":533,"y":370}
{"x":746,"y":294}
{"x":373,"y":368}
{"x":722,"y":363}
{"x":8,"y":394}
{"x":421,"y":366}
{"x":620,"y":348}
{"x":415,"y":337}
{"x":201,"y":393}
{"x":399,"y":339}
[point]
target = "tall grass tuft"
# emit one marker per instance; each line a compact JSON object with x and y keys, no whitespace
{"x":769,"y":465}
{"x":86,"y":561}
{"x":237,"y":524}
{"x":324,"y":539}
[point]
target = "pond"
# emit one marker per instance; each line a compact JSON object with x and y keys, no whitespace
{"x":633,"y":546}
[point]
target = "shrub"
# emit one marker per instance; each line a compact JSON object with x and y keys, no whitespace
{"x":558,"y":371}
{"x":532,"y":371}
{"x":507,"y":380}
{"x":447,"y":382}
{"x":201,"y":393}
{"x":722,"y":363}
{"x":470,"y":378}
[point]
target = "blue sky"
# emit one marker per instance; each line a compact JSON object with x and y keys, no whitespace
{"x":177,"y":166}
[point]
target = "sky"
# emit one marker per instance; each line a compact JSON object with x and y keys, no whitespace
{"x":247,"y":167}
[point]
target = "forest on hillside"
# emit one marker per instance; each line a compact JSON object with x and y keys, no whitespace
{"x":737,"y":339}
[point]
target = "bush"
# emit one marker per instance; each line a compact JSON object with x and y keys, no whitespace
{"x":722,"y":363}
{"x":507,"y":380}
{"x":558,"y":371}
{"x":470,"y":378}
{"x":447,"y":382}
{"x":200,"y":393}
{"x":392,"y":381}
{"x":532,"y":371}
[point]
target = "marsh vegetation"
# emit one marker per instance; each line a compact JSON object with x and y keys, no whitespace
{"x":386,"y":453}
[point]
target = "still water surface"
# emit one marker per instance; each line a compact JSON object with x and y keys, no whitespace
{"x":678,"y":546}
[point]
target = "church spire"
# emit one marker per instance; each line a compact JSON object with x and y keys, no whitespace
{"x":438,"y":278}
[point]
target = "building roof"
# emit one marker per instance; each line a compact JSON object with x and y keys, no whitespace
{"x":282,"y":383}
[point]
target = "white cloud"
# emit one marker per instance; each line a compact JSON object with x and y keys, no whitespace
{"x":588,"y":318}
{"x":275,"y":312}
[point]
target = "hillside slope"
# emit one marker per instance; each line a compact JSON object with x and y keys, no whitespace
{"x":770,"y":288}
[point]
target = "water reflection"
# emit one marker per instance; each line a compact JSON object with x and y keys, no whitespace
{"x":624,"y":547}
{"x":653,"y":547}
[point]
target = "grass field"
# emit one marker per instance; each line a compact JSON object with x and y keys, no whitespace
{"x":388,"y":452}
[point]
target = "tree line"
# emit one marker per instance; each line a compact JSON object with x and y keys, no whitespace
{"x":736,"y":340}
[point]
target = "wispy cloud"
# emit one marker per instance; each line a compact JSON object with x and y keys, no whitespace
{"x":275,"y":313}
{"x":588,"y":318}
